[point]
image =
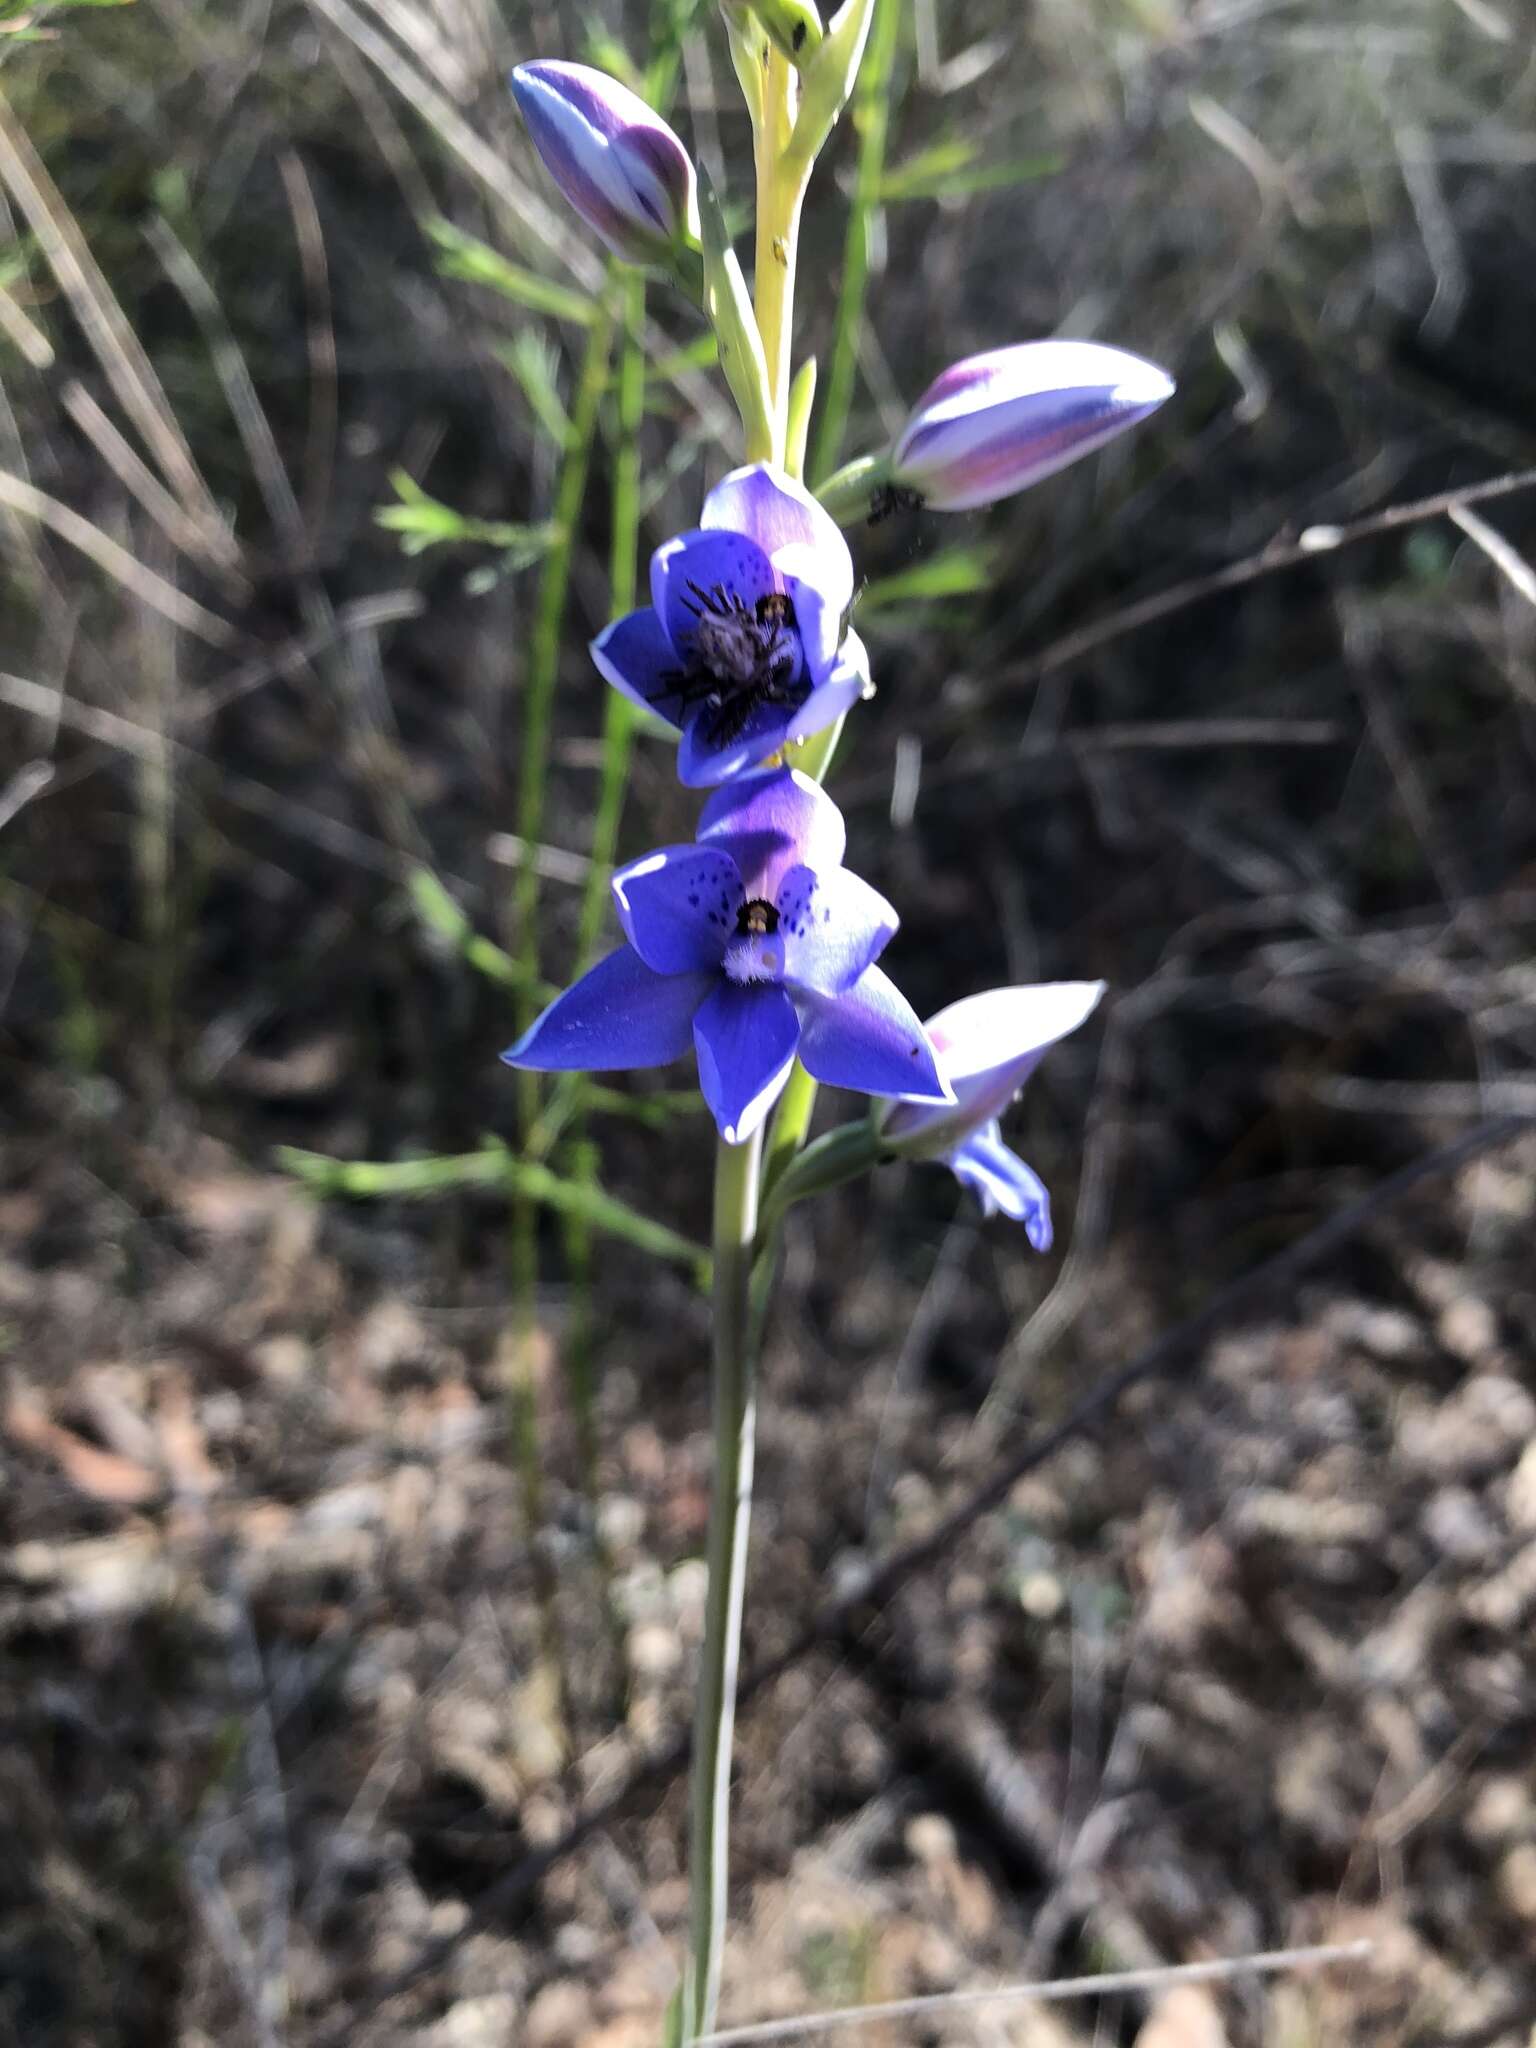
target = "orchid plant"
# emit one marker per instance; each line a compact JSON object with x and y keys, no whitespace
{"x":754,"y":947}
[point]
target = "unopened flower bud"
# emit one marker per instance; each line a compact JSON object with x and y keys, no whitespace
{"x":996,"y":423}
{"x":618,"y":163}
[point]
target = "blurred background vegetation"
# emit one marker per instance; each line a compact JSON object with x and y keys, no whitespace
{"x":347,"y":1550}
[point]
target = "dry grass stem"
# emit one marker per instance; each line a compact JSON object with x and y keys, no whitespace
{"x":1052,"y":1990}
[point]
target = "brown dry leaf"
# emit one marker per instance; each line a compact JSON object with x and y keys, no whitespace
{"x":183,"y":1447}
{"x":310,"y":1069}
{"x":103,"y":1475}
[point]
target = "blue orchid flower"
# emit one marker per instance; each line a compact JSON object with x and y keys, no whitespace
{"x":744,"y":646}
{"x":751,"y":946}
{"x":988,"y":1046}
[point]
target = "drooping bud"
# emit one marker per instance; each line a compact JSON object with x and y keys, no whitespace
{"x":618,"y":163}
{"x":996,"y":423}
{"x":987,"y":1048}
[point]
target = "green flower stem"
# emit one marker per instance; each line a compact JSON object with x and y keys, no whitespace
{"x":790,"y":1124}
{"x":735,"y":1235}
{"x":738,"y":1168}
{"x":847,"y":494}
{"x":872,"y":120}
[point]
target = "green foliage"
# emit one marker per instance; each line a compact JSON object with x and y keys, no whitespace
{"x":425,"y":522}
{"x":495,"y":1166}
{"x":532,"y":362}
{"x":951,"y":169}
{"x":465,"y":256}
{"x":963,"y":571}
{"x":442,"y":917}
{"x":38,"y":10}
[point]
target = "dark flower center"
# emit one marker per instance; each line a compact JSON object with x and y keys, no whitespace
{"x":743,"y":657}
{"x":756,"y":920}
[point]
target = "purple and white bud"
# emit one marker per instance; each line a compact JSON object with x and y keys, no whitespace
{"x":987,"y":1048}
{"x":618,"y":163}
{"x":999,"y":422}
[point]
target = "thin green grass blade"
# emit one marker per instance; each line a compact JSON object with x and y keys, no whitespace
{"x":871,"y":117}
{"x":466,"y":257}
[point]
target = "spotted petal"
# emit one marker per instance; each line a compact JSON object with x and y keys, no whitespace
{"x":746,"y":1039}
{"x":621,"y":1014}
{"x":870,"y":1039}
{"x":832,"y":926}
{"x":772,"y":822}
{"x":678,"y":906}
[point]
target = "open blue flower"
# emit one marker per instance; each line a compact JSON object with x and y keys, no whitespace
{"x":745,"y":643}
{"x":752,"y":945}
{"x":988,"y":1046}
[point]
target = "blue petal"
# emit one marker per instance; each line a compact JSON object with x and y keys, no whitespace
{"x":746,"y":1039}
{"x":678,"y":906}
{"x":620,"y":1015}
{"x":772,"y":822}
{"x":820,"y":588}
{"x":703,"y":762}
{"x":847,"y":681}
{"x":1000,"y":1180}
{"x":686,"y":570}
{"x":871,"y":1039}
{"x":831,"y":927}
{"x":635,"y":655}
{"x":773,"y":509}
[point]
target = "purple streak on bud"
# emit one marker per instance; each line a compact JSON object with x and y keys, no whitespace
{"x":997,"y":423}
{"x":620,"y":165}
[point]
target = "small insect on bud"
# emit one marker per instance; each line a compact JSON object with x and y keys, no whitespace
{"x":997,"y":423}
{"x":618,"y":163}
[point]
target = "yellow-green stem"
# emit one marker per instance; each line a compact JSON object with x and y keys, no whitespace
{"x":780,"y":190}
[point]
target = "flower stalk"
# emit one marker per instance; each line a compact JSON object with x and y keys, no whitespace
{"x":730,"y":1514}
{"x":737,"y":1171}
{"x":754,"y":948}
